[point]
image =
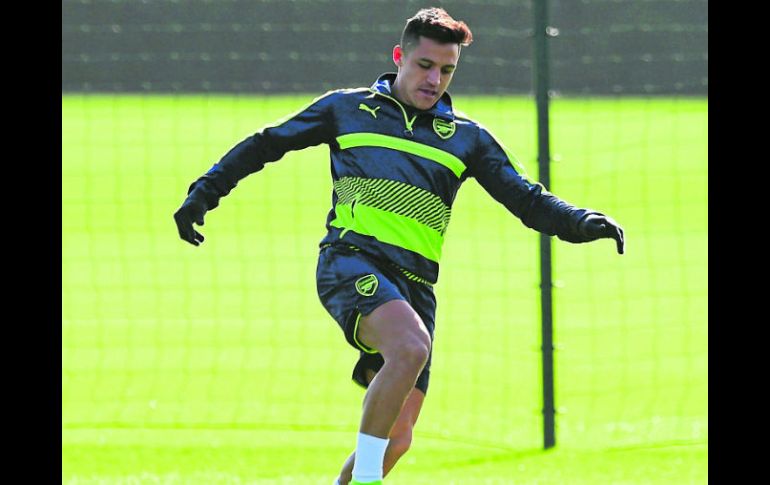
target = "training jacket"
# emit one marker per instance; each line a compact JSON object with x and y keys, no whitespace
{"x":396,"y":171}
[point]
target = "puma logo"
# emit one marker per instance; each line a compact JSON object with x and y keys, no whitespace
{"x":369,"y":110}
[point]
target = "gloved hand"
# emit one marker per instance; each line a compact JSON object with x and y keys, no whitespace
{"x":597,"y":226}
{"x":192,"y":210}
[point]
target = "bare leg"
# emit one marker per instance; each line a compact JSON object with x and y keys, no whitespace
{"x":400,"y":436}
{"x":397,"y":332}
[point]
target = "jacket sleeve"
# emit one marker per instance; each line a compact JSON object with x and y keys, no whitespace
{"x":504,"y":178}
{"x":310,"y":126}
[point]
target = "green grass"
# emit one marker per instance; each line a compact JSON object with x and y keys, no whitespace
{"x":218,"y":364}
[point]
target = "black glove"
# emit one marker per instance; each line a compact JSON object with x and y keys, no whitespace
{"x":596,"y":226}
{"x":192,"y":210}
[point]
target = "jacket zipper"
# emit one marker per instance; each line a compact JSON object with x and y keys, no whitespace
{"x":409,"y":132}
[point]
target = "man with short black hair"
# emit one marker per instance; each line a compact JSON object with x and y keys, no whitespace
{"x":399,"y":154}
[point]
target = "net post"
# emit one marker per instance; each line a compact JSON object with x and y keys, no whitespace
{"x":542,"y":32}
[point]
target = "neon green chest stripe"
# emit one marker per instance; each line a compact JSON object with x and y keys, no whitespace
{"x":446,"y":159}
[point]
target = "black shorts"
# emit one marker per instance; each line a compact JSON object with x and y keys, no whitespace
{"x":351,"y":285}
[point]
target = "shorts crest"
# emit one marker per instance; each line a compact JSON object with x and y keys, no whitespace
{"x":367,"y":285}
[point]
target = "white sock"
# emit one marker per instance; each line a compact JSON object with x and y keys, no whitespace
{"x":370,"y":453}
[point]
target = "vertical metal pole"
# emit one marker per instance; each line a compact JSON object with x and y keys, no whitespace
{"x":541,"y":34}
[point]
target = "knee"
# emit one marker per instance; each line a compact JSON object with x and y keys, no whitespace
{"x":415,"y":350}
{"x":399,"y":334}
{"x":417,"y":343}
{"x":399,"y":445}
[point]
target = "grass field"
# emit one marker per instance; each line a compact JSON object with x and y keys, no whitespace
{"x":218,"y":364}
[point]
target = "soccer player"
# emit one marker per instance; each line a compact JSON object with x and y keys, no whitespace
{"x":399,"y":153}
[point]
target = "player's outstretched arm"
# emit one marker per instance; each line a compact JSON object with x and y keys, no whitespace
{"x":596,"y":226}
{"x":308,"y":127}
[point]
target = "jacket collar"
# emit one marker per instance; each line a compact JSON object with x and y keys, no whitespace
{"x":442,"y":109}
